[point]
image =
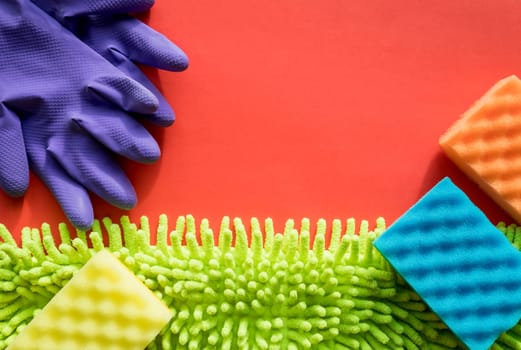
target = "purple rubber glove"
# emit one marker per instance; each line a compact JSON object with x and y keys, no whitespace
{"x":75,"y":110}
{"x":106,"y":27}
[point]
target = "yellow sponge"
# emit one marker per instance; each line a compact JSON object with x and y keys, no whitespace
{"x":104,"y":306}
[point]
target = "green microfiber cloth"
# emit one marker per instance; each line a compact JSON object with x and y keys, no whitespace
{"x":252,"y":289}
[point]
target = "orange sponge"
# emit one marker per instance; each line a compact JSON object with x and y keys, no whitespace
{"x":486,"y":144}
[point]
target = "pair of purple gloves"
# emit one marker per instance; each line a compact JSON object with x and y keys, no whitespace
{"x":72,"y":98}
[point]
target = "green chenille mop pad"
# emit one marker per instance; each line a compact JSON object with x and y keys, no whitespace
{"x":246,"y":287}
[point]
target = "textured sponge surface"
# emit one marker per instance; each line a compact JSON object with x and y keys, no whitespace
{"x":104,"y":306}
{"x":459,"y":263}
{"x":486,"y":142}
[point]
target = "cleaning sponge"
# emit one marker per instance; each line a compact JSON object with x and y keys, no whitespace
{"x":459,"y":264}
{"x":104,"y":306}
{"x":486,"y":143}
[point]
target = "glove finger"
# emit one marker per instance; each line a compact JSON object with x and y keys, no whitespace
{"x":91,"y":165}
{"x":70,"y":195}
{"x":123,"y":92}
{"x":72,"y":8}
{"x":124,"y":136}
{"x":135,"y":40}
{"x":113,"y":7}
{"x":14,"y":172}
{"x":164,"y":115}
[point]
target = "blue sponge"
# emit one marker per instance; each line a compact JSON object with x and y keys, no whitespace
{"x":459,"y":263}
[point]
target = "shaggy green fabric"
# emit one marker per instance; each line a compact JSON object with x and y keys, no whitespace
{"x":242,"y":288}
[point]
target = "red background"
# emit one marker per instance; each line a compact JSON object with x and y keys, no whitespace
{"x":305,"y":108}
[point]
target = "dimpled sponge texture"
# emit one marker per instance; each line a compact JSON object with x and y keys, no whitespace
{"x":104,"y":306}
{"x":486,"y":143}
{"x":459,"y":263}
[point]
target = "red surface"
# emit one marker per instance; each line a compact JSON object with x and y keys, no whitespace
{"x":311,"y":108}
